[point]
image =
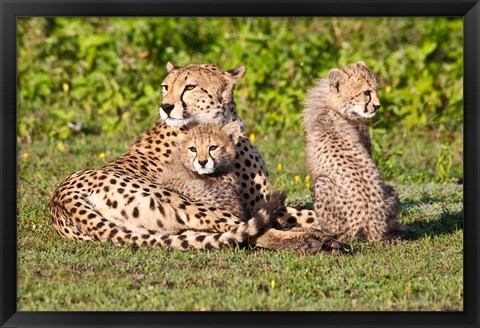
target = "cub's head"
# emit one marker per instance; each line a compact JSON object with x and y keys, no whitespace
{"x":208,"y":148}
{"x":353,"y":90}
{"x":199,"y":94}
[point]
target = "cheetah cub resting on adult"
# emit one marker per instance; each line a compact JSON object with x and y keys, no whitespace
{"x":349,"y":195}
{"x":203,"y":160}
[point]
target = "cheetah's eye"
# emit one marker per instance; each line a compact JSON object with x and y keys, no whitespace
{"x":193,"y":149}
{"x":212,"y":148}
{"x":367,"y":93}
{"x":165,"y":87}
{"x":190,"y":87}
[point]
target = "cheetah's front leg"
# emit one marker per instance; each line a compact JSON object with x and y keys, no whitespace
{"x":292,"y":217}
{"x":324,"y":196}
{"x":300,"y":240}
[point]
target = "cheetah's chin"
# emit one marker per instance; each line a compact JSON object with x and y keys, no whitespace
{"x":205,"y":171}
{"x":175,"y":122}
{"x":367,"y":115}
{"x":361,"y":114}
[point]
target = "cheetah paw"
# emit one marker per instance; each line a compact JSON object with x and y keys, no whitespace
{"x":326,"y":244}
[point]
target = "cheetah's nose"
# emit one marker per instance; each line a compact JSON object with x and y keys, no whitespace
{"x":167,"y":108}
{"x":376,"y":107}
{"x":203,"y":163}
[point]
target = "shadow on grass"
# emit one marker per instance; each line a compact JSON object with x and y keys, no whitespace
{"x":447,"y":222}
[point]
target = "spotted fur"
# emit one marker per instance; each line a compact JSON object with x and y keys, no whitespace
{"x":126,"y":201}
{"x":202,"y":168}
{"x":188,"y":100}
{"x":350,"y":197}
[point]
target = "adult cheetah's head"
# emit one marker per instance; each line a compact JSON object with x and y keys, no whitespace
{"x":353,"y":90}
{"x":199,"y":94}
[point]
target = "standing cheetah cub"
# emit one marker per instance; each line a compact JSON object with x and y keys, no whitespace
{"x":202,"y":169}
{"x":349,"y":195}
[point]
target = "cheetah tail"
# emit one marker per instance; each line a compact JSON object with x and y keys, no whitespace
{"x":276,"y":203}
{"x":257,"y":224}
{"x":209,"y":240}
{"x":239,"y":235}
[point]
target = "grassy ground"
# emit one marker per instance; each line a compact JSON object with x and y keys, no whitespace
{"x":424,"y":272}
{"x":102,"y":74}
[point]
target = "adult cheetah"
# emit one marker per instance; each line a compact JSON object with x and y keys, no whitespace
{"x":123,"y":202}
{"x":350,"y":197}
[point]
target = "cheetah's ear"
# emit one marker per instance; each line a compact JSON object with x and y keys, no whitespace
{"x":361,"y":63}
{"x":335,"y":77}
{"x":170,"y":66}
{"x":236,"y":74}
{"x":182,"y":137}
{"x":234,"y":131}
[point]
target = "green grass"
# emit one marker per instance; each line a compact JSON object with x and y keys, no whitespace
{"x":424,"y":272}
{"x":103,"y":74}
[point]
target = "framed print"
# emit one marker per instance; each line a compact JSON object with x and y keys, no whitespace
{"x":112,"y":217}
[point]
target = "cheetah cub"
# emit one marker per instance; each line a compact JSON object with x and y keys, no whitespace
{"x":202,"y":169}
{"x":349,"y":195}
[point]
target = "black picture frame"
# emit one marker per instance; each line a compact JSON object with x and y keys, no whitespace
{"x":10,"y":10}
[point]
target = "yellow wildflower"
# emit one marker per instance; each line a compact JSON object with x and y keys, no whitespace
{"x":272,"y":283}
{"x":125,"y":116}
{"x":307,"y":178}
{"x":252,"y":137}
{"x":388,"y":88}
{"x":408,"y":289}
{"x":25,"y":155}
{"x":307,"y":185}
{"x":279,"y":166}
{"x":143,"y":54}
{"x":66,"y":87}
{"x":296,"y":178}
{"x":61,"y":146}
{"x":102,"y":155}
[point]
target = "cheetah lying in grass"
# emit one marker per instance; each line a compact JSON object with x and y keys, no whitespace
{"x":350,"y":198}
{"x":124,"y":202}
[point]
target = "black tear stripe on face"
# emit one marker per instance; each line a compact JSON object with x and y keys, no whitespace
{"x":369,"y":100}
{"x":184,"y":105}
